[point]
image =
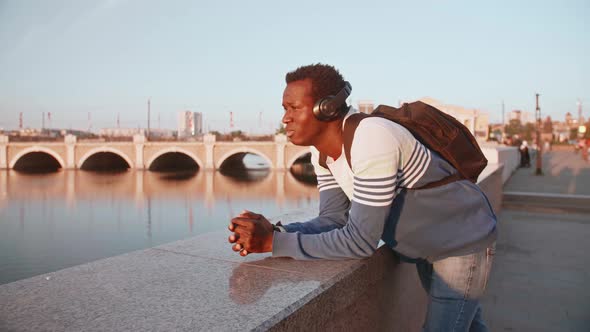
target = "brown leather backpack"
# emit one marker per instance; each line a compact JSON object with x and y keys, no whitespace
{"x":435,"y":129}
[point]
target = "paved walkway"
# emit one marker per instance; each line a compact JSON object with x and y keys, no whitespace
{"x":542,"y":267}
{"x":564,"y":173}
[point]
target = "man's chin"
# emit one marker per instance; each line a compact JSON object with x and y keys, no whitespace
{"x":299,"y":142}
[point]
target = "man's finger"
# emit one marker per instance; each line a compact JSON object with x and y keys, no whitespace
{"x":250,"y":214}
{"x":233,"y":238}
{"x":231,"y":227}
{"x":237,"y":247}
{"x":242,"y":221}
{"x":244,"y":253}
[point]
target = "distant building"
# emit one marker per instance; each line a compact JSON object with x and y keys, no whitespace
{"x":561,"y":130}
{"x":190,"y":124}
{"x":365,"y":106}
{"x":161,"y":133}
{"x":515,"y":115}
{"x":121,"y":132}
{"x":523,"y":116}
{"x":29,"y":132}
{"x":475,"y":120}
{"x":33,"y":132}
{"x":569,"y":119}
{"x":130,"y":132}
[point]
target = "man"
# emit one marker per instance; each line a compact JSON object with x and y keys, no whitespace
{"x":525,"y":158}
{"x":449,"y":230}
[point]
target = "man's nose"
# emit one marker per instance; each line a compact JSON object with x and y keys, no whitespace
{"x":286,"y":117}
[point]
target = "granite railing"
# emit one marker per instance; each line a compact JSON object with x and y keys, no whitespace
{"x":200,"y":284}
{"x":509,"y":156}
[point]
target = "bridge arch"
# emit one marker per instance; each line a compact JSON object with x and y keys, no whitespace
{"x":36,"y":148}
{"x":174,"y":149}
{"x":105,"y":149}
{"x":300,"y":154}
{"x":243,"y":149}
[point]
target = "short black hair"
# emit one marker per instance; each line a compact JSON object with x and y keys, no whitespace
{"x":325,"y":79}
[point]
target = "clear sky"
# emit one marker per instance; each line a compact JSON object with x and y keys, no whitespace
{"x":72,"y":58}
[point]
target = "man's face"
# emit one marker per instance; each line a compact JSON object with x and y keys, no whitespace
{"x":301,"y":126}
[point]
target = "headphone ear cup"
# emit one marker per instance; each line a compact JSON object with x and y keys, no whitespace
{"x":324,"y":109}
{"x":328,"y":108}
{"x":318,"y":110}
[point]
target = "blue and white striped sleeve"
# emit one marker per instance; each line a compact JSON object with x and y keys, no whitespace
{"x":334,"y":204}
{"x":374,"y":158}
{"x":415,"y":167}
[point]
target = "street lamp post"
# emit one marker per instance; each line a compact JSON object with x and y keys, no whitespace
{"x":539,"y":170}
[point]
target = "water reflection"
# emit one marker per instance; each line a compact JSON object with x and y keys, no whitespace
{"x":52,"y":221}
{"x":178,"y":176}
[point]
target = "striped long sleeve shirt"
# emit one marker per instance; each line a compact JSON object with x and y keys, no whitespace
{"x":373,"y":200}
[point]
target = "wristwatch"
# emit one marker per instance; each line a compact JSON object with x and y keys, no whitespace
{"x":279,"y":228}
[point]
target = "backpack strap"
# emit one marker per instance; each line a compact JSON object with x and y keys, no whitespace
{"x":451,"y":178}
{"x":350,"y":125}
{"x":347,"y":134}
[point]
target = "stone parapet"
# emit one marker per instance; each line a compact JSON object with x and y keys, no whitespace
{"x":509,"y":156}
{"x":201,"y":284}
{"x":491,"y":184}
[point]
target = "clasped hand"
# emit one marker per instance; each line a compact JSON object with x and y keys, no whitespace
{"x":252,"y":232}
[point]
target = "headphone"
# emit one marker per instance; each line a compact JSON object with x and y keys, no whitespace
{"x":328,"y":108}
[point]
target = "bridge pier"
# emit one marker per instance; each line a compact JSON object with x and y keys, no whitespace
{"x":70,"y":141}
{"x":3,"y":151}
{"x":209,"y":140}
{"x":139,"y":142}
{"x":280,"y":141}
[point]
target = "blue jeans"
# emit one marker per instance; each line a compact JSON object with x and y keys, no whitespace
{"x":454,"y":286}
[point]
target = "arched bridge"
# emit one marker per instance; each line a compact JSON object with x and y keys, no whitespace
{"x":141,"y":154}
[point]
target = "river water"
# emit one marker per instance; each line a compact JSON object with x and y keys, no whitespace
{"x":52,"y":221}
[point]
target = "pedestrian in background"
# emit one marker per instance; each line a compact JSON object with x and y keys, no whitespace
{"x":525,"y":157}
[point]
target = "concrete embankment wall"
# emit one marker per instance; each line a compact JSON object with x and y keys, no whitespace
{"x":200,"y":284}
{"x":508,"y":156}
